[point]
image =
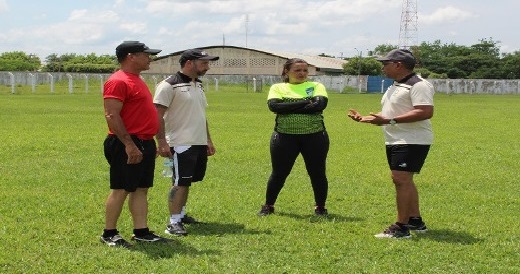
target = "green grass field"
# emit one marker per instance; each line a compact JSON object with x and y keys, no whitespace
{"x":54,"y":182}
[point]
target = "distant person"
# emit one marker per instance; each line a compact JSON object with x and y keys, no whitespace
{"x":298,"y":104}
{"x":183,"y":132}
{"x":129,"y":147}
{"x":405,"y":120}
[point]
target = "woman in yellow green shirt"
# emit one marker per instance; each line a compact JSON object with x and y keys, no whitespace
{"x":299,"y":129}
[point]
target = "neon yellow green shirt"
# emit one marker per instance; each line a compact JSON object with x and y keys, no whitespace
{"x":296,"y":123}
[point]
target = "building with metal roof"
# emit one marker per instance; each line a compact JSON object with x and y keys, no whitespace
{"x":247,"y":61}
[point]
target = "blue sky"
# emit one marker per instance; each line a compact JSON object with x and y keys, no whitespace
{"x":335,"y":27}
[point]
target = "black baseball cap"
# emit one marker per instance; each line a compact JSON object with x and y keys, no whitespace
{"x":132,"y":47}
{"x":400,"y":55}
{"x":196,"y":54}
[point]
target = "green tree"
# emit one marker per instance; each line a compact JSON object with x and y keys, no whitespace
{"x":382,"y":50}
{"x":487,"y":47}
{"x":510,"y":66}
{"x":480,"y":60}
{"x":362,"y":66}
{"x":19,"y":61}
{"x":55,"y":63}
{"x":90,"y":63}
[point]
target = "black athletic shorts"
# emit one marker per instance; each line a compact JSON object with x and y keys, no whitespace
{"x":123,"y":175}
{"x":406,"y":157}
{"x":189,"y":164}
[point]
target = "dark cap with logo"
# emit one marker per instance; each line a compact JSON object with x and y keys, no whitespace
{"x":196,"y":54}
{"x":132,"y":47}
{"x":400,"y":55}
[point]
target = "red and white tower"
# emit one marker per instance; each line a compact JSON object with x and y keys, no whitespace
{"x":408,"y":31}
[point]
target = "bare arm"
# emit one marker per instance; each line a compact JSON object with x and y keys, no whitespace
{"x":162,"y":146}
{"x":211,"y":147}
{"x":419,"y":113}
{"x":115,"y":123}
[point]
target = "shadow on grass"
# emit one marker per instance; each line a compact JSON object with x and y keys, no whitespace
{"x":166,"y":250}
{"x":221,"y":229}
{"x":448,"y":236}
{"x":333,"y":218}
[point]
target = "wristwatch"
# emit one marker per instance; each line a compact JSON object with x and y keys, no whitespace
{"x":392,"y":122}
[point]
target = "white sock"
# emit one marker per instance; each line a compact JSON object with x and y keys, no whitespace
{"x":183,"y":211}
{"x":175,"y":218}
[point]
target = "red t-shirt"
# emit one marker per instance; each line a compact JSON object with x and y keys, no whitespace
{"x":138,"y":112}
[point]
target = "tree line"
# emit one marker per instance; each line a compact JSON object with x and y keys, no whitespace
{"x":441,"y":60}
{"x":482,"y":60}
{"x":70,"y":62}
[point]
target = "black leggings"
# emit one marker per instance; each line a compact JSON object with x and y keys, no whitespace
{"x":285,"y":148}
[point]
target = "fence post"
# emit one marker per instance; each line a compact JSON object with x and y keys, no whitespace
{"x":70,"y":82}
{"x":359,"y":82}
{"x":216,"y":84}
{"x":101,"y":82}
{"x":11,"y":78}
{"x":33,"y":82}
{"x":382,"y":86}
{"x":52,"y":82}
{"x":86,"y":82}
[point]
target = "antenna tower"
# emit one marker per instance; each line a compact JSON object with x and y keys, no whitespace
{"x":247,"y":26}
{"x":408,"y":30}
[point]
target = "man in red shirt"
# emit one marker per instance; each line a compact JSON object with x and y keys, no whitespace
{"x":129,"y":147}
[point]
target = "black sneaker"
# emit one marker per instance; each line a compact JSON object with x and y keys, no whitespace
{"x":418,"y":228}
{"x":115,"y":241}
{"x":176,"y":229}
{"x":395,"y":231}
{"x":320,"y":211}
{"x":189,"y":220}
{"x":149,"y":238}
{"x":266,"y":210}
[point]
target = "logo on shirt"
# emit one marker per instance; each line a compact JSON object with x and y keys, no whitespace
{"x":309,"y":91}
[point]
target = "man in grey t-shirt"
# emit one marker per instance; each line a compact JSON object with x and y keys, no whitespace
{"x":183,"y":134}
{"x":405,"y":119}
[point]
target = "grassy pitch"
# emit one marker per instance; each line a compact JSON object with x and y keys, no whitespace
{"x":54,"y":183}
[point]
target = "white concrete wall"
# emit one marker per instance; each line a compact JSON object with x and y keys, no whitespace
{"x":333,"y":83}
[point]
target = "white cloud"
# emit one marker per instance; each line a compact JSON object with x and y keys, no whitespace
{"x":68,"y":34}
{"x":448,"y":14}
{"x":213,"y":7}
{"x":86,"y":16}
{"x":307,"y":26}
{"x":3,"y":6}
{"x":134,"y":27}
{"x":81,"y":27}
{"x":82,"y":32}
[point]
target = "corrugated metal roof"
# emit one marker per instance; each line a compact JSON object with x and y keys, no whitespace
{"x":324,"y":63}
{"x":317,"y":61}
